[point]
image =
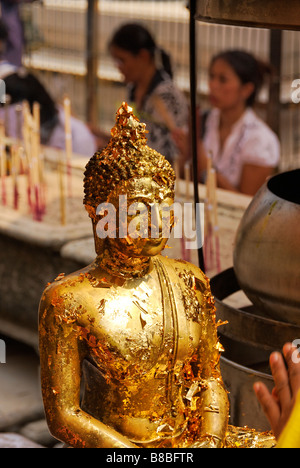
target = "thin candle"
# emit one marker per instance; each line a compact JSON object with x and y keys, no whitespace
{"x":207,"y":225}
{"x":68,"y":137}
{"x":28,"y":155}
{"x":3,"y":165}
{"x":40,"y":188}
{"x":14,"y":174}
{"x":215,"y":219}
{"x":62,"y":191}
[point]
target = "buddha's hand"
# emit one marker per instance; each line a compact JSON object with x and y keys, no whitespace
{"x":208,"y":441}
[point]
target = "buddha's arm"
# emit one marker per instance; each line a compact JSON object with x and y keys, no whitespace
{"x":213,"y":401}
{"x":213,"y":408}
{"x":61,"y":355}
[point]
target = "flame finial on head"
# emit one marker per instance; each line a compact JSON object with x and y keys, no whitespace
{"x":128,"y":126}
{"x":125,"y":157}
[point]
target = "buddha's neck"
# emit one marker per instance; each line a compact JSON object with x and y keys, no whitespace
{"x":122,"y":266}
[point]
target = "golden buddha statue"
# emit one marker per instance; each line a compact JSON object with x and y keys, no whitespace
{"x":128,"y":345}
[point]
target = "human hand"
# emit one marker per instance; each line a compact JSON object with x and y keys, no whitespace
{"x":181,"y":138}
{"x":279,"y":404}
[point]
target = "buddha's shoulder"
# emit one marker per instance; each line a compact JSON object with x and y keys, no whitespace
{"x":66,"y":289}
{"x":68,"y":298}
{"x":183,"y":267}
{"x":62,"y":281}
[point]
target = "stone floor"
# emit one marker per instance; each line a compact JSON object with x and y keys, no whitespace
{"x":22,"y":421}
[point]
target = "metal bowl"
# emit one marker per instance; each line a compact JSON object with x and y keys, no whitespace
{"x":274,"y":14}
{"x":245,"y":409}
{"x":267,"y":249}
{"x":246,"y":324}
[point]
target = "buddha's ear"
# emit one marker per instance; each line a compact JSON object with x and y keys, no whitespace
{"x":99,"y":243}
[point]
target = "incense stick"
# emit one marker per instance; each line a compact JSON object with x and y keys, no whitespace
{"x":14,"y":175}
{"x":68,"y":137}
{"x":32,"y":147}
{"x":3,"y":165}
{"x":207,"y":225}
{"x":215,"y":219}
{"x":34,"y":138}
{"x":187,"y":176}
{"x":212,"y":241}
{"x":41,"y":200}
{"x":61,"y":191}
{"x":28,"y":155}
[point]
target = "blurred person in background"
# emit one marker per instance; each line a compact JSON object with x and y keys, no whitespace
{"x":10,"y":15}
{"x":243,"y":149}
{"x":24,"y":86}
{"x":152,"y":93}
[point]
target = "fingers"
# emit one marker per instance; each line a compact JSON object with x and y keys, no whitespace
{"x":286,"y":375}
{"x":292,"y":359}
{"x":281,"y":378}
{"x":268,"y":403}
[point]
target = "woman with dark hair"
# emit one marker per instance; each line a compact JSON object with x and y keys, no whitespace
{"x":10,"y":14}
{"x":244,"y":150}
{"x":24,"y":86}
{"x":21,"y":85}
{"x":148,"y":72}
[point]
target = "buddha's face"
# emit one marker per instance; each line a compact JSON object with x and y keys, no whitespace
{"x":144,"y":217}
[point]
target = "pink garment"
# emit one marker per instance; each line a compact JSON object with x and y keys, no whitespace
{"x":83,"y":141}
{"x":250,"y":142}
{"x":10,"y":15}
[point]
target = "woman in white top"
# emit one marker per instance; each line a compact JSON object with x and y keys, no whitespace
{"x":244,"y":150}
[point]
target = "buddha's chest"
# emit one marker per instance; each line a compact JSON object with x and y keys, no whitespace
{"x":141,"y":325}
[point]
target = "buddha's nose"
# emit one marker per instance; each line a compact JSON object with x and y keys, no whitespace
{"x":156,"y":221}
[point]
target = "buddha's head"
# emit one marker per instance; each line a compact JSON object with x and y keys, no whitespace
{"x":137,"y":182}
